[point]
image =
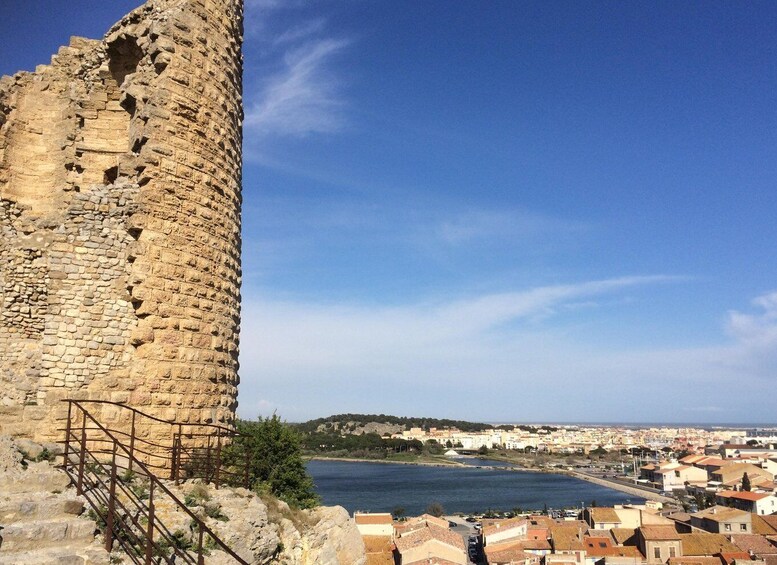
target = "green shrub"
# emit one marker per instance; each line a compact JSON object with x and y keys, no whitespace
{"x":274,"y":454}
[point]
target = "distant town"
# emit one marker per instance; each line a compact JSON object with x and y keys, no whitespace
{"x":710,"y":494}
{"x":584,"y":439}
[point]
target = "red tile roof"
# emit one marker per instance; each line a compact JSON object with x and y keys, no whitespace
{"x":659,"y":533}
{"x":373,"y":518}
{"x":755,"y":543}
{"x":430,"y":532}
{"x":744,"y":495}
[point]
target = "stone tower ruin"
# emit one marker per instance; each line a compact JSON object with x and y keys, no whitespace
{"x":120,"y":180}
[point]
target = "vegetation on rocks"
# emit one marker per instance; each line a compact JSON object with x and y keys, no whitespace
{"x":274,"y":453}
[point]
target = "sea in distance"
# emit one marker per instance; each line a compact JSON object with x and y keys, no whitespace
{"x":477,"y":487}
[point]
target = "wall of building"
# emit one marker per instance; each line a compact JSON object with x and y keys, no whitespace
{"x":120,"y":192}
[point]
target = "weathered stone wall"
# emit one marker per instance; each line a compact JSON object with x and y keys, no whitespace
{"x":120,"y":171}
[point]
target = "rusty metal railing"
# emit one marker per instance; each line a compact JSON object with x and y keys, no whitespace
{"x":103,"y":463}
{"x":179,"y":451}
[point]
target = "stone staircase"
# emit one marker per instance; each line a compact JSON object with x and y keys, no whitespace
{"x":42,"y":520}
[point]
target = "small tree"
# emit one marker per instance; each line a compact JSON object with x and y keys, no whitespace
{"x":398,"y":512}
{"x":435,"y":509}
{"x":482,"y":450}
{"x":275,"y":460}
{"x":746,"y":482}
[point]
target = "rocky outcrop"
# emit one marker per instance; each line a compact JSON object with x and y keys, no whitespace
{"x":265,"y":530}
{"x":42,"y":520}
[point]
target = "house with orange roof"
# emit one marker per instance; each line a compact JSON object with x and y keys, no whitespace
{"x":567,"y":539}
{"x":624,"y":536}
{"x":764,"y":525}
{"x":374,"y":524}
{"x":377,"y":531}
{"x":495,"y":531}
{"x":427,"y":542}
{"x":635,"y":516}
{"x":738,"y":558}
{"x":602,"y":518}
{"x":659,"y":543}
{"x":536,"y":530}
{"x":723,"y":520}
{"x":705,"y":543}
{"x":509,"y":553}
{"x":537,"y":546}
{"x":673,"y":475}
{"x":692,"y":459}
{"x":763,"y":503}
{"x":730,"y":475}
{"x":756,"y":545}
{"x":710,"y":464}
{"x":419,"y":522}
{"x":600,"y":549}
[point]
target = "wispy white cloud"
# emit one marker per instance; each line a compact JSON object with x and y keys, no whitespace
{"x":760,"y":329}
{"x":471,"y":225}
{"x":304,"y":98}
{"x":435,"y":222}
{"x":300,"y":32}
{"x":755,"y":336}
{"x":316,"y":357}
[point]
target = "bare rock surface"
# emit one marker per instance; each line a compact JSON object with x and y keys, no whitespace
{"x":41,"y":518}
{"x":265,"y":530}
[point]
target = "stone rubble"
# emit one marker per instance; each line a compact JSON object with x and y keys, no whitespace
{"x":42,"y":519}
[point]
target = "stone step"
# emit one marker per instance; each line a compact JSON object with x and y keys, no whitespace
{"x":38,"y":477}
{"x":24,"y":536}
{"x":26,"y":507}
{"x":90,"y":555}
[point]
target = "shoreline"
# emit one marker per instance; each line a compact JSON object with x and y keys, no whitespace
{"x":613,"y":485}
{"x":385,"y":461}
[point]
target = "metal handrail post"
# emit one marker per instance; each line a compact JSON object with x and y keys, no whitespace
{"x":66,"y":456}
{"x":247,"y":464}
{"x":218,"y":459}
{"x":111,"y":503}
{"x":200,"y":555}
{"x":207,"y":462}
{"x":132,"y":441}
{"x":80,"y":483}
{"x":150,"y":530}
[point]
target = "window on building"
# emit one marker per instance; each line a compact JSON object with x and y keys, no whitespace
{"x":743,"y":527}
{"x":672,"y":552}
{"x":657,"y":552}
{"x":728,"y":527}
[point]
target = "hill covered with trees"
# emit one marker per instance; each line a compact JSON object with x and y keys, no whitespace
{"x":368,"y":436}
{"x":352,"y":423}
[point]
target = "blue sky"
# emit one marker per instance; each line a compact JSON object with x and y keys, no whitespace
{"x":499,"y":211}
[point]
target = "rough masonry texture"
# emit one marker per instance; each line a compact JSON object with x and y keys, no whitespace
{"x":120,"y":176}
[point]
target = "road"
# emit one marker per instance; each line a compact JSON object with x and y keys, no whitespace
{"x":628,"y":488}
{"x":466,"y":530}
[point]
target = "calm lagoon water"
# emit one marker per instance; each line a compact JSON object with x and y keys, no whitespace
{"x":382,"y":487}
